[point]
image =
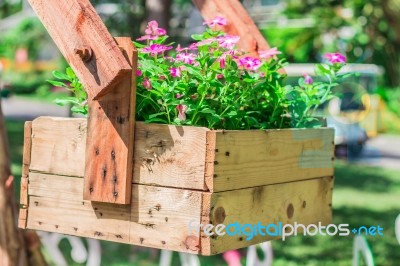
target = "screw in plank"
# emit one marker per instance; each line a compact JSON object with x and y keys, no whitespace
{"x":84,"y":52}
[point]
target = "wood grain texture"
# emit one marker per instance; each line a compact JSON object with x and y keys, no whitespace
{"x":74,"y":25}
{"x":58,"y":145}
{"x":158,"y":217}
{"x":191,"y":157}
{"x":256,"y":158}
{"x":239,"y":23}
{"x":26,"y":161}
{"x":109,"y":145}
{"x":170,"y":156}
{"x":164,"y":155}
{"x":306,"y":202}
{"x":26,"y":156}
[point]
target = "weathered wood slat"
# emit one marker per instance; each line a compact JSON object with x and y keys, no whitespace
{"x":192,"y":157}
{"x":250,"y":159}
{"x":168,"y":156}
{"x":158,"y":217}
{"x":109,"y":146}
{"x":84,"y":41}
{"x":239,"y":22}
{"x":58,"y":146}
{"x":305,"y":202}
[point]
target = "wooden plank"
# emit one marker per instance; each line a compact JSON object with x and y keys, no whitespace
{"x":58,"y":145}
{"x":24,"y":192}
{"x":239,"y":23}
{"x":256,"y":158}
{"x":194,"y":158}
{"x":22,"y":219}
{"x":158,"y":217}
{"x":306,"y":202}
{"x":26,"y":157}
{"x":170,"y":156}
{"x":26,"y":161}
{"x":84,"y":41}
{"x":165,"y":155}
{"x":109,"y":145}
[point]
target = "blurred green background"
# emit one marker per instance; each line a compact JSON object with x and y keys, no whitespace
{"x":368,"y":32}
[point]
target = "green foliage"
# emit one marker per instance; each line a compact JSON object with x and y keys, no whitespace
{"x":25,"y":83}
{"x":70,"y":81}
{"x":392,"y":99}
{"x":366,"y":31}
{"x":217,"y":87}
{"x":29,"y":34}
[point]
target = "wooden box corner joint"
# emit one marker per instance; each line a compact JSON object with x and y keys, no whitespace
{"x":110,"y":138}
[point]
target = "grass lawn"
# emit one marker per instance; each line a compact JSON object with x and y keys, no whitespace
{"x":362,"y":196}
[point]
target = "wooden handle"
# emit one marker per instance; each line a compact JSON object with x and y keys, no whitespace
{"x":85,"y":42}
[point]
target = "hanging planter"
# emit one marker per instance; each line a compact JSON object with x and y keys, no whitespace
{"x":111,"y":178}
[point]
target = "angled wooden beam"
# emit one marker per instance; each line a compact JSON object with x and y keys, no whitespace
{"x":85,"y":42}
{"x":239,"y":22}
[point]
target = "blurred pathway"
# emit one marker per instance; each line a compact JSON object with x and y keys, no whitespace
{"x":26,"y":109}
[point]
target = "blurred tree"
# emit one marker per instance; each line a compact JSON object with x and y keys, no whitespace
{"x":9,"y":7}
{"x":366,"y":31}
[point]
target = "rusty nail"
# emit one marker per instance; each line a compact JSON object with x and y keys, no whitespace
{"x":84,"y":52}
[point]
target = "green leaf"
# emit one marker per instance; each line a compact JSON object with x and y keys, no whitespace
{"x":80,"y":110}
{"x":57,"y":83}
{"x":65,"y":101}
{"x":207,"y":111}
{"x":70,"y":73}
{"x":60,"y":75}
{"x":154,"y":120}
{"x":138,"y":45}
{"x":155,"y":115}
{"x":197,"y":37}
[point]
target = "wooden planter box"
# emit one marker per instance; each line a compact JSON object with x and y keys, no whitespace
{"x":181,"y":175}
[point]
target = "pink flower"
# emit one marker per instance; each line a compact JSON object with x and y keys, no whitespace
{"x":193,"y":46}
{"x":182,"y":111}
{"x":335,"y":58}
{"x":250,"y":63}
{"x":178,"y":95}
{"x":147,"y":84}
{"x":154,"y":30}
{"x":228,"y":41}
{"x":308,"y":79}
{"x":162,"y":78}
{"x":232,"y":258}
{"x":187,"y":58}
{"x":138,"y":73}
{"x":175,"y":72}
{"x":222,"y":61}
{"x":217,"y":21}
{"x":267,"y":54}
{"x":155,"y":49}
{"x":147,"y":37}
{"x":220,"y":76}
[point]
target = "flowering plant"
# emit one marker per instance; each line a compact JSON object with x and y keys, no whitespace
{"x":213,"y":84}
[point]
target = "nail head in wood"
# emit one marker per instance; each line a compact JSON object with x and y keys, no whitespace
{"x":84,"y":52}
